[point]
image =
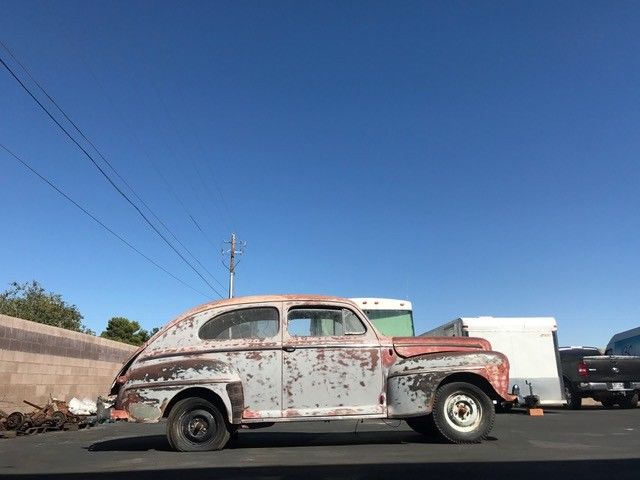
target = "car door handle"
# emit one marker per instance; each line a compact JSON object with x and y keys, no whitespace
{"x":289,"y":349}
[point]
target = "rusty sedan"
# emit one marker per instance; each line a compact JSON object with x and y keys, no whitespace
{"x":253,"y":361}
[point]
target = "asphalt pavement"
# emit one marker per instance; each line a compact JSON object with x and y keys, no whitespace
{"x":587,"y":444}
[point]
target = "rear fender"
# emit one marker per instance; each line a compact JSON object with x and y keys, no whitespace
{"x":149,"y":387}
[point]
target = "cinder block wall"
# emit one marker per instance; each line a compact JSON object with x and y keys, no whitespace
{"x":37,"y":360}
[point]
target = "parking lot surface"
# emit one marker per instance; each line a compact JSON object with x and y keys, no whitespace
{"x":594,"y":443}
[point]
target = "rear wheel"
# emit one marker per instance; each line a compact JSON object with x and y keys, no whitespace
{"x":463,"y":413}
{"x":574,"y":400}
{"x":423,"y":425}
{"x":197,"y":425}
{"x":607,"y":402}
{"x":629,"y":401}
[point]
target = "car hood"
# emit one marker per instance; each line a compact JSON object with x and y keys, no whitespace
{"x":407,"y":347}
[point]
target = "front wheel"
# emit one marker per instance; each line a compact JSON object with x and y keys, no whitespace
{"x":197,"y":425}
{"x":463,"y":413}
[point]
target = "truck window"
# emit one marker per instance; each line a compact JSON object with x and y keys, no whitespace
{"x":261,"y":322}
{"x":323,"y":322}
{"x":393,"y":323}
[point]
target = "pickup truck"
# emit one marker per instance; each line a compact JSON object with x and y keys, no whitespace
{"x":250,"y":362}
{"x":609,"y":379}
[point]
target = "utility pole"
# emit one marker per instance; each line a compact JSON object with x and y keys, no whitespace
{"x":233,"y":251}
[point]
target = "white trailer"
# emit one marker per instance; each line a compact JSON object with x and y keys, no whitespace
{"x":530,"y":344}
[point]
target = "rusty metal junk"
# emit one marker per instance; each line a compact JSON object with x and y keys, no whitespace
{"x":55,"y":415}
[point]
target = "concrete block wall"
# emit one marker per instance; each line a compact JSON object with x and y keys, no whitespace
{"x":37,"y":360}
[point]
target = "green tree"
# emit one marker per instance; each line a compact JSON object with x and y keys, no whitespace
{"x":124,"y":330}
{"x":30,"y":301}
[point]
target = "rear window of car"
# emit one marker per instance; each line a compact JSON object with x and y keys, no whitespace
{"x":246,"y":323}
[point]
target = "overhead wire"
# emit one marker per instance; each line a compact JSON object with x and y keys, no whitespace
{"x":199,"y":173}
{"x":106,"y":176}
{"x":95,"y":148}
{"x":98,"y":221}
{"x":170,"y":188}
{"x":200,"y":146}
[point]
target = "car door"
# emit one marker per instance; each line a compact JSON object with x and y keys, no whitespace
{"x":331,"y":363}
{"x":248,"y":338}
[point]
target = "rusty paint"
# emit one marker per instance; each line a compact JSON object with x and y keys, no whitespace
{"x":363,"y":376}
{"x":412,"y":346}
{"x":248,"y":413}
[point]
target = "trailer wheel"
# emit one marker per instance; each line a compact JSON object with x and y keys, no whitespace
{"x":423,"y":425}
{"x":197,"y":425}
{"x":463,"y":413}
{"x":629,"y":401}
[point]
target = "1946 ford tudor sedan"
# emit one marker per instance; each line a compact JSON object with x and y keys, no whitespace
{"x":253,"y":361}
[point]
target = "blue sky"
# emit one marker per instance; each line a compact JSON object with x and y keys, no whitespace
{"x":476,"y":158}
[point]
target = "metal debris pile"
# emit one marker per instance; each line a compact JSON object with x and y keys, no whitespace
{"x":55,"y":415}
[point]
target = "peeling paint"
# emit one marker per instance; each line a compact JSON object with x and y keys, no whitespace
{"x":364,"y":376}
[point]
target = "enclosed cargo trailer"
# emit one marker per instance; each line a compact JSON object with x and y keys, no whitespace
{"x":530,"y":344}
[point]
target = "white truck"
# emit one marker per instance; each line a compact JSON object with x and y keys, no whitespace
{"x":530,"y":344}
{"x":392,"y":317}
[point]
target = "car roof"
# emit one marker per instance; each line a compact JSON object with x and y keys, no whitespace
{"x":258,"y":299}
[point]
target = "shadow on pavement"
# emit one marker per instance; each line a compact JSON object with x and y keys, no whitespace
{"x":583,"y":470}
{"x":250,"y":439}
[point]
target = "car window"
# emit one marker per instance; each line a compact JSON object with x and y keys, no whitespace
{"x":323,"y":322}
{"x":261,"y":322}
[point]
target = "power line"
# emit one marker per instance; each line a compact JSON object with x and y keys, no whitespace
{"x":28,"y":72}
{"x":132,"y":132}
{"x":199,"y":174}
{"x":107,"y":177}
{"x":202,"y":152}
{"x":99,"y":222}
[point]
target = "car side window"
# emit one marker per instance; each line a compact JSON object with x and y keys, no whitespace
{"x":260,"y":322}
{"x":323,"y":322}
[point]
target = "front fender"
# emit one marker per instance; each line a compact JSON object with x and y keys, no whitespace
{"x":149,"y":386}
{"x":412,"y":382}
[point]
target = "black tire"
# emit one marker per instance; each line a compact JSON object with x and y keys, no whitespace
{"x":475,"y":414}
{"x":629,"y":401}
{"x":423,"y":425}
{"x":574,"y":400}
{"x":607,"y":402}
{"x":196,"y":425}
